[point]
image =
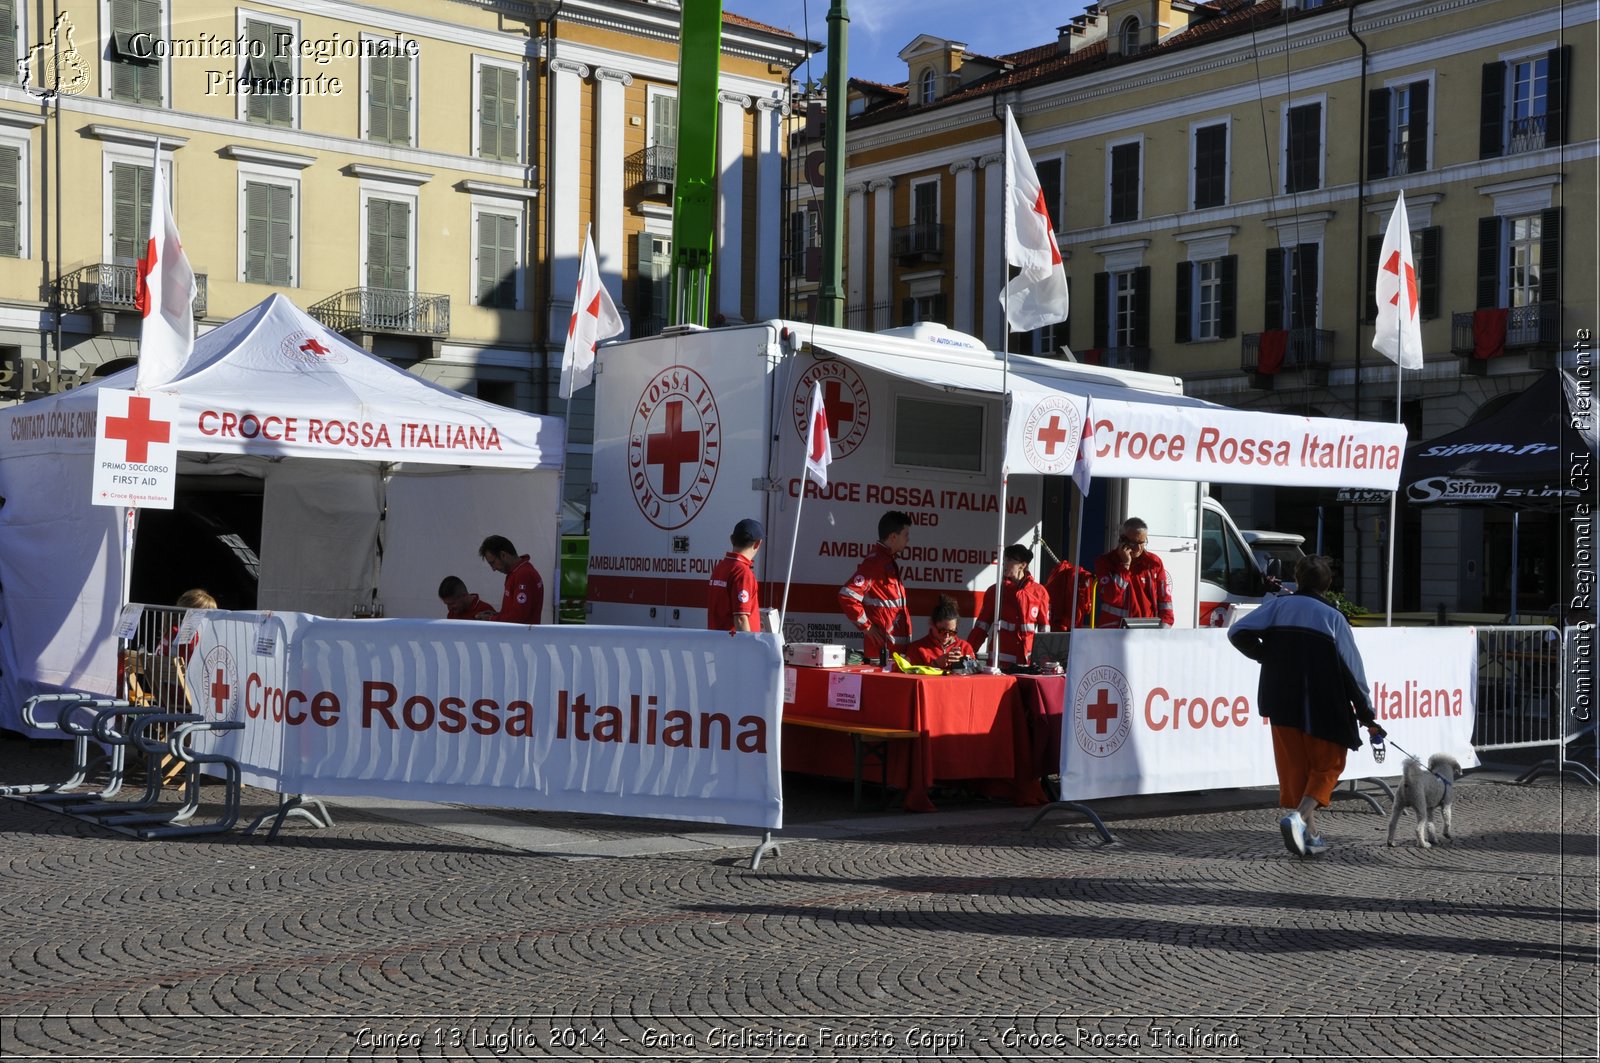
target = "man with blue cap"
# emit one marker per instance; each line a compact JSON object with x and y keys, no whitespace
{"x":731,"y":603}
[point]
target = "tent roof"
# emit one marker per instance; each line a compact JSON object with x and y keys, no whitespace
{"x":1518,"y":455}
{"x":276,"y":382}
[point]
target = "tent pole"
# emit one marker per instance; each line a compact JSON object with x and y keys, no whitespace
{"x":131,"y":524}
{"x":783,"y":613}
{"x":1199,"y":531}
{"x":1516,"y":531}
{"x":1388,"y":575}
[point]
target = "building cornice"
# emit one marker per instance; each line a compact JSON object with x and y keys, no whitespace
{"x":263,"y":157}
{"x":138,"y":138}
{"x":487,"y":188}
{"x":386,"y":174}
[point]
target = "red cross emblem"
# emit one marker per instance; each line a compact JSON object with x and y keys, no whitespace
{"x":672,"y":449}
{"x":1101,"y":711}
{"x":1393,"y":266}
{"x":311,"y":346}
{"x":220,"y":690}
{"x":138,"y":430}
{"x":835,"y":401}
{"x":1052,"y":434}
{"x":1043,"y":211}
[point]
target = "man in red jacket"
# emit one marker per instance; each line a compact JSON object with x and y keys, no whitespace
{"x":1130,"y":581}
{"x":875,"y":600}
{"x":523,"y":602}
{"x":731,"y":593}
{"x":1024,"y":611}
{"x":1071,"y":589}
{"x":459,"y":604}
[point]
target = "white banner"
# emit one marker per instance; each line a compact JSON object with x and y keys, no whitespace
{"x":662,"y":723}
{"x":135,"y":450}
{"x":1174,"y":442}
{"x":1043,"y":430}
{"x":1151,"y":712}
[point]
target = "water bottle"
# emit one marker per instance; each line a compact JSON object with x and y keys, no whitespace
{"x":883,"y":658}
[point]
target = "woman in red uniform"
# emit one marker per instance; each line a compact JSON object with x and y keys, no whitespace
{"x":941,"y":647}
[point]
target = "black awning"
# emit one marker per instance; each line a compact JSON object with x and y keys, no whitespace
{"x":1522,"y":455}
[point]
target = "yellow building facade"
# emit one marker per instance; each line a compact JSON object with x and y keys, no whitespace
{"x":1221,"y":177}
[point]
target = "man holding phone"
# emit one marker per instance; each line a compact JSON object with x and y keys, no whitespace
{"x":1130,"y":581}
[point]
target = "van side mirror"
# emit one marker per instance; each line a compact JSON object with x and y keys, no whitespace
{"x":1275,"y":568}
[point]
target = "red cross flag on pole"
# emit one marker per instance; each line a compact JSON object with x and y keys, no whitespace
{"x":1038,"y":295}
{"x":1082,"y":468}
{"x":165,"y":294}
{"x":594,"y":318}
{"x":819,"y":448}
{"x":1398,"y":333}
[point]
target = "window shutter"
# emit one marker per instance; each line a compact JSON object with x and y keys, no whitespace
{"x":8,"y":40}
{"x":378,"y":98}
{"x":280,"y":246}
{"x":1102,"y":309}
{"x":1488,"y":262}
{"x":130,"y":210}
{"x":1182,"y":308}
{"x":1303,"y":314}
{"x":1417,"y":161}
{"x":1125,"y":182}
{"x":1274,"y":282}
{"x":1210,"y":166}
{"x":1492,"y":112}
{"x":1429,"y":266}
{"x":10,"y":203}
{"x":399,"y":100}
{"x":497,"y":114}
{"x":1305,"y":148}
{"x":1228,"y":317}
{"x":1550,"y":255}
{"x":268,"y":108}
{"x":1377,"y":134}
{"x":497,"y":276}
{"x":1374,"y":254}
{"x":257,"y":232}
{"x":908,"y":311}
{"x":1556,"y":96}
{"x":388,"y":251}
{"x":1141,"y":306}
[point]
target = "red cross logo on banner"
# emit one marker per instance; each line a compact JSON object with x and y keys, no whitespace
{"x":138,"y":430}
{"x":1101,"y":710}
{"x":220,"y":690}
{"x":672,"y":449}
{"x":1052,"y":435}
{"x":1393,"y":266}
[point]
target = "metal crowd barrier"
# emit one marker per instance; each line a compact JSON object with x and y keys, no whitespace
{"x":118,"y":725}
{"x":1523,"y":686}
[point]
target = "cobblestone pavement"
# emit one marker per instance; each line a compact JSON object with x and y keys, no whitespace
{"x":954,"y":935}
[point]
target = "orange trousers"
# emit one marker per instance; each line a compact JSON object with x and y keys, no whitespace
{"x":1307,"y":766}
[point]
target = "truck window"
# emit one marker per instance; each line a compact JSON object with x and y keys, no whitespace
{"x":938,"y":435}
{"x":1223,"y":558}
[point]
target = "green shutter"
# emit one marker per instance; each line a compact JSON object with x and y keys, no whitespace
{"x":136,"y":80}
{"x":130,"y":210}
{"x":268,"y":233}
{"x":497,"y":114}
{"x":388,"y":244}
{"x":269,"y":108}
{"x":378,"y":99}
{"x":389,"y":99}
{"x":8,"y":41}
{"x":497,"y":261}
{"x":10,"y":203}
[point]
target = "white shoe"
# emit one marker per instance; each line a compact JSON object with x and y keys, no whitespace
{"x":1294,"y":833}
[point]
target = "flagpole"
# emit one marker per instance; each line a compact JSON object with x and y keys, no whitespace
{"x":1005,"y":401}
{"x":1388,"y":599}
{"x":783,"y":613}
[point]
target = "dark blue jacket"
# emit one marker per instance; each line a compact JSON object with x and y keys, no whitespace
{"x":1312,"y":678}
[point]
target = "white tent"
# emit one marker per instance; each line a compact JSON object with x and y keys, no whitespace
{"x":375,"y":485}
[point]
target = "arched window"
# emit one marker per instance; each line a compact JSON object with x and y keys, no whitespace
{"x":929,"y":80}
{"x":1130,"y":35}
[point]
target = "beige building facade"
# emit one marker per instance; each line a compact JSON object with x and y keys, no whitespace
{"x":1221,"y":176}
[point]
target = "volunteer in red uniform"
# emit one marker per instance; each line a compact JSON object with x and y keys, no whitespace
{"x":941,"y":647}
{"x":460,"y":605}
{"x":1130,"y":581}
{"x":1024,"y":611}
{"x":731,"y":603}
{"x":875,"y":600}
{"x":1069,"y":608}
{"x":523,"y":602}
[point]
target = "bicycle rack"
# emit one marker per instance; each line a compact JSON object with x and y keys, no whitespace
{"x":120,"y":740}
{"x":177,"y":744}
{"x":53,"y":795}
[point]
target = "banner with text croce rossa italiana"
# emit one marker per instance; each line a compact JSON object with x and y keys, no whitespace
{"x":1151,"y":712}
{"x":661,"y":723}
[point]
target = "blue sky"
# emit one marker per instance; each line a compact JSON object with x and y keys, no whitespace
{"x":880,"y":28}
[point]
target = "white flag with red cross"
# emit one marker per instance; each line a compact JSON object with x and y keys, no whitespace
{"x":1037,"y":296}
{"x":165,"y":294}
{"x":1082,"y":468}
{"x":819,"y":447}
{"x":1398,"y":333}
{"x":594,"y":318}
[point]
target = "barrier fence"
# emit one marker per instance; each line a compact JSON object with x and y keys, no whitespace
{"x":1529,"y":679}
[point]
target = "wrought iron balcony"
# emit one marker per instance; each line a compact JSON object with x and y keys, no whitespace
{"x":385,"y":310}
{"x":114,"y":286}
{"x":654,"y":165}
{"x":1136,"y":358}
{"x":1526,"y":134}
{"x":1537,"y":325}
{"x":924,"y":238}
{"x":1305,"y":348}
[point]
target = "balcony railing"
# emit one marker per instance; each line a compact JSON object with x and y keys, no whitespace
{"x":1400,"y":158}
{"x":1306,"y":348}
{"x":1534,"y":325}
{"x":920,"y":238}
{"x":114,"y":286}
{"x":1526,"y":134}
{"x":655,"y":164}
{"x":1135,"y":358}
{"x":868,"y":318}
{"x":805,"y":263}
{"x":385,"y":310}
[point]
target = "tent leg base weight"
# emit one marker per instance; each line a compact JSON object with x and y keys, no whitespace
{"x":1073,"y":806}
{"x":767,"y":846}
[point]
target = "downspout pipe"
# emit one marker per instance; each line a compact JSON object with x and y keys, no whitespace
{"x":541,"y":329}
{"x":1360,"y":256}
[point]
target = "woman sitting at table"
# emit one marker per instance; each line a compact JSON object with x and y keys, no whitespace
{"x":941,"y":647}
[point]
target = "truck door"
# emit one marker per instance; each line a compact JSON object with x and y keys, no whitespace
{"x":1228,"y":571}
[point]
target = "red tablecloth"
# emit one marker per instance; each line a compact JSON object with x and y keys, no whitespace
{"x":1003,"y":730}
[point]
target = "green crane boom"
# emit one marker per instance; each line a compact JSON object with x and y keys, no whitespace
{"x":694,"y":197}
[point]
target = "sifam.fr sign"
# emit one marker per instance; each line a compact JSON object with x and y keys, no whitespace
{"x":136,"y":450}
